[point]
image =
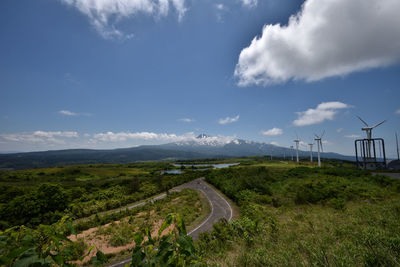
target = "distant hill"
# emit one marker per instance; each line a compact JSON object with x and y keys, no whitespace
{"x":203,"y":146}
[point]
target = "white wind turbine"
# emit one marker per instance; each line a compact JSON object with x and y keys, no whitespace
{"x":297,"y":141}
{"x":319,"y":143}
{"x":368,"y":131}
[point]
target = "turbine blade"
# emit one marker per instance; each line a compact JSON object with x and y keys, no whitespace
{"x":366,"y":124}
{"x":323,"y":133}
{"x":379,"y":124}
{"x":316,"y":135}
{"x":322,"y":148}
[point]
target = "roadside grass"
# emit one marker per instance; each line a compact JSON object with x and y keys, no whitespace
{"x":120,"y":209}
{"x":364,"y":234}
{"x":305,"y":217}
{"x":115,"y":237}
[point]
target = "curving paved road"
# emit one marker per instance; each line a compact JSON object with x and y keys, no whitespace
{"x":220,"y":208}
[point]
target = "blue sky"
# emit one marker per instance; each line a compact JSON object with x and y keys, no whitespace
{"x":108,"y":74}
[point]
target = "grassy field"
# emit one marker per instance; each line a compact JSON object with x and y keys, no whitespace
{"x":305,"y":216}
{"x":291,"y":214}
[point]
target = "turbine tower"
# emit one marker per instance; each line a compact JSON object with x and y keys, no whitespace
{"x":311,"y":145}
{"x":368,"y":131}
{"x":319,"y":144}
{"x":291,"y":151}
{"x":297,"y":141}
{"x":397,"y":145}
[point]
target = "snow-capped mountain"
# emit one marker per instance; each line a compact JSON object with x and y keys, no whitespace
{"x":204,"y":140}
{"x":221,"y":146}
{"x":193,"y":147}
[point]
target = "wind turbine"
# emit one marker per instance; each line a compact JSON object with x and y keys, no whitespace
{"x":368,"y":131}
{"x":319,"y":143}
{"x":291,"y":151}
{"x":397,"y":145}
{"x":297,"y":141}
{"x":311,"y":145}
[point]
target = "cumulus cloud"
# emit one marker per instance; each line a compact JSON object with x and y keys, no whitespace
{"x":67,"y":113}
{"x":398,"y":111}
{"x":353,"y":136}
{"x":124,"y":136}
{"x":40,"y":136}
{"x":274,"y":143}
{"x":272,"y":132}
{"x":188,"y":120}
{"x":249,"y":3}
{"x":158,"y":137}
{"x":105,"y":14}
{"x":228,"y":120}
{"x":326,"y":38}
{"x":324,"y":111}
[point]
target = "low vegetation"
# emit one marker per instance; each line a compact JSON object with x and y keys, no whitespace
{"x":306,"y":216}
{"x":44,"y":196}
{"x":290,"y":215}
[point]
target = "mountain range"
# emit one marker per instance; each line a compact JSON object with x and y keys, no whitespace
{"x":203,"y":146}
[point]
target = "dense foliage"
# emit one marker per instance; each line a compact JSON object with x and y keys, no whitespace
{"x":47,"y":245}
{"x":306,"y":216}
{"x":43,"y":196}
{"x":175,"y":248}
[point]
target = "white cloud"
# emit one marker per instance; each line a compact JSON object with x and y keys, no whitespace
{"x":124,"y":136}
{"x":324,"y":111}
{"x":326,"y":38}
{"x":55,"y":134}
{"x":353,"y":136}
{"x":274,"y":143}
{"x":327,"y":143}
{"x":40,"y":137}
{"x":272,"y":132}
{"x":67,"y":113}
{"x":339,"y":130}
{"x":158,"y":137}
{"x":228,"y":120}
{"x":105,"y":14}
{"x":188,"y":120}
{"x":249,"y":3}
{"x":302,"y":143}
{"x":397,"y":111}
{"x":220,"y":6}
